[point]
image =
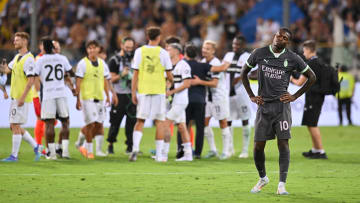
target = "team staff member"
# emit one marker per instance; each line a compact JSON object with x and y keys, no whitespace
{"x":313,"y":101}
{"x":273,"y":118}
{"x":347,"y":88}
{"x":148,"y":89}
{"x":22,"y":69}
{"x":121,"y":75}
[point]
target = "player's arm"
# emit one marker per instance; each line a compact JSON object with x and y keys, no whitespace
{"x":169,"y":76}
{"x":311,"y":78}
{"x":299,"y":82}
{"x":134,"y":85}
{"x":186,"y":84}
{"x":4,"y":68}
{"x":114,"y":98}
{"x":211,"y":83}
{"x":3,"y":89}
{"x":78,"y":85}
{"x":245,"y":80}
{"x":69,"y":83}
{"x":220,"y":68}
{"x":28,"y":86}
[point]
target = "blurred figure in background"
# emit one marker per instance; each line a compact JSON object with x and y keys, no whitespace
{"x":347,"y":88}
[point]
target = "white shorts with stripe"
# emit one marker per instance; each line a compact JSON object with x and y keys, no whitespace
{"x":177,"y":113}
{"x":93,"y":111}
{"x":54,"y":108}
{"x":152,"y":106}
{"x":18,"y":114}
{"x":219,"y":110}
{"x":239,"y":108}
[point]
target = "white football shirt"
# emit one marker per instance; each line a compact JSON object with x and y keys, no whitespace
{"x":181,"y":72}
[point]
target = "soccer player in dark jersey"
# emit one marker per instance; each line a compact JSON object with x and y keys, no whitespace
{"x":273,"y":118}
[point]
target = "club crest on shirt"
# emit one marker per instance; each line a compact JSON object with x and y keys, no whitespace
{"x":285,"y":63}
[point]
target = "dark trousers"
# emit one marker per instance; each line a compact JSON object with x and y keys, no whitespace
{"x":117,"y":113}
{"x":347,"y":103}
{"x":196,"y":112}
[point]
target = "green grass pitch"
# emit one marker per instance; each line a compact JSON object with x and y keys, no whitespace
{"x":114,"y":179}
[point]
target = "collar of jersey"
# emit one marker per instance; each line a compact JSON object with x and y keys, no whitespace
{"x":274,"y":53}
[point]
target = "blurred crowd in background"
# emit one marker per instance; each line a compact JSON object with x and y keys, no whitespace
{"x":73,"y":22}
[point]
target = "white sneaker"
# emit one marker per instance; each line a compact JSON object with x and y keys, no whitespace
{"x":161,"y":159}
{"x":260,"y":184}
{"x":101,"y":154}
{"x":224,"y":156}
{"x":185,"y":158}
{"x":244,"y":155}
{"x":51,"y":157}
{"x":281,"y":190}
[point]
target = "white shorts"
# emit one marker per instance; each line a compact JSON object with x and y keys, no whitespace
{"x":239,"y":108}
{"x":177,"y":113}
{"x":93,"y":111}
{"x":219,"y":110}
{"x":54,"y":108}
{"x":18,"y":115}
{"x":151,"y":107}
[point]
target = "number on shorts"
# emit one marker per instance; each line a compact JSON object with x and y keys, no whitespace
{"x":59,"y":74}
{"x":284,"y":125}
{"x":217,"y":109}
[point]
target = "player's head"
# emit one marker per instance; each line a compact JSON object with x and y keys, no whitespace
{"x":190,"y":51}
{"x":21,"y":40}
{"x":102,"y":53}
{"x":282,"y":38}
{"x":174,"y":49}
{"x":57,"y":47}
{"x":238,"y":43}
{"x":128,"y":44}
{"x":92,"y":48}
{"x":208,"y":48}
{"x":153,"y":34}
{"x":172,"y":39}
{"x":41,"y":44}
{"x":48,"y":46}
{"x":309,"y":48}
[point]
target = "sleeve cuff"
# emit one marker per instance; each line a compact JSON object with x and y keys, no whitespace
{"x":303,"y":71}
{"x":250,"y":66}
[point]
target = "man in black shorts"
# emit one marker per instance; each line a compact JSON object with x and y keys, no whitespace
{"x":313,"y":101}
{"x":273,"y":118}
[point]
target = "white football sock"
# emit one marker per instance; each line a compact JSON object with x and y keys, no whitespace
{"x":226,"y":139}
{"x":137,"y":135}
{"x":16,"y":142}
{"x":52,"y":149}
{"x":29,"y":139}
{"x":159,"y":146}
{"x":57,"y":146}
{"x":209,"y":134}
{"x":246,"y":138}
{"x":81,"y":138}
{"x":166,"y":148}
{"x":187,"y":149}
{"x":231,"y":144}
{"x":65,"y":148}
{"x":89,"y":147}
{"x":99,"y":142}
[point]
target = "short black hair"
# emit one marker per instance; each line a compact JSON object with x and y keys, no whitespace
{"x":288,"y":31}
{"x":191,"y":50}
{"x":48,"y":45}
{"x":127,"y":39}
{"x":240,"y":38}
{"x":310,"y":44}
{"x":153,"y":32}
{"x":172,"y":39}
{"x":92,"y":42}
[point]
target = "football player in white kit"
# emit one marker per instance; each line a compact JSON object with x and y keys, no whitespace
{"x":52,"y":69}
{"x":239,"y":102}
{"x":217,"y":103}
{"x":179,"y":102}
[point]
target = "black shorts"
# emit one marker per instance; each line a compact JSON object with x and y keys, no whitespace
{"x":312,"y":109}
{"x":273,"y":119}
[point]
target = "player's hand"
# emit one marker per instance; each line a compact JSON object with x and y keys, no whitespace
{"x":114,"y":100}
{"x":73,"y":91}
{"x":107,"y":102}
{"x":78,"y":105}
{"x":125,"y":72}
{"x":195,"y":81}
{"x":20,"y":102}
{"x":287,"y":97}
{"x":257,"y":100}
{"x":169,"y":93}
{"x":6,"y":96}
{"x":134,"y":99}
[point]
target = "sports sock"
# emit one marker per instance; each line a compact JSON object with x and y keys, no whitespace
{"x":159,"y":146}
{"x":39,"y":131}
{"x":81,"y":138}
{"x":166,"y":148}
{"x":259,"y":158}
{"x":16,"y":141}
{"x":284,"y":161}
{"x":231,"y":144}
{"x":65,"y":148}
{"x":52,"y":149}
{"x":99,"y":142}
{"x":29,"y":139}
{"x":57,"y":146}
{"x":246,"y":138}
{"x":321,"y":151}
{"x":137,"y":135}
{"x":226,"y":139}
{"x":187,"y":149}
{"x":89,"y":147}
{"x":209,"y":134}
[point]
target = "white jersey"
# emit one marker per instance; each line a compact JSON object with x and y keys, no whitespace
{"x":28,"y":65}
{"x":81,"y":69}
{"x":218,"y":93}
{"x":51,"y":69}
{"x":234,"y":71}
{"x":181,"y":72}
